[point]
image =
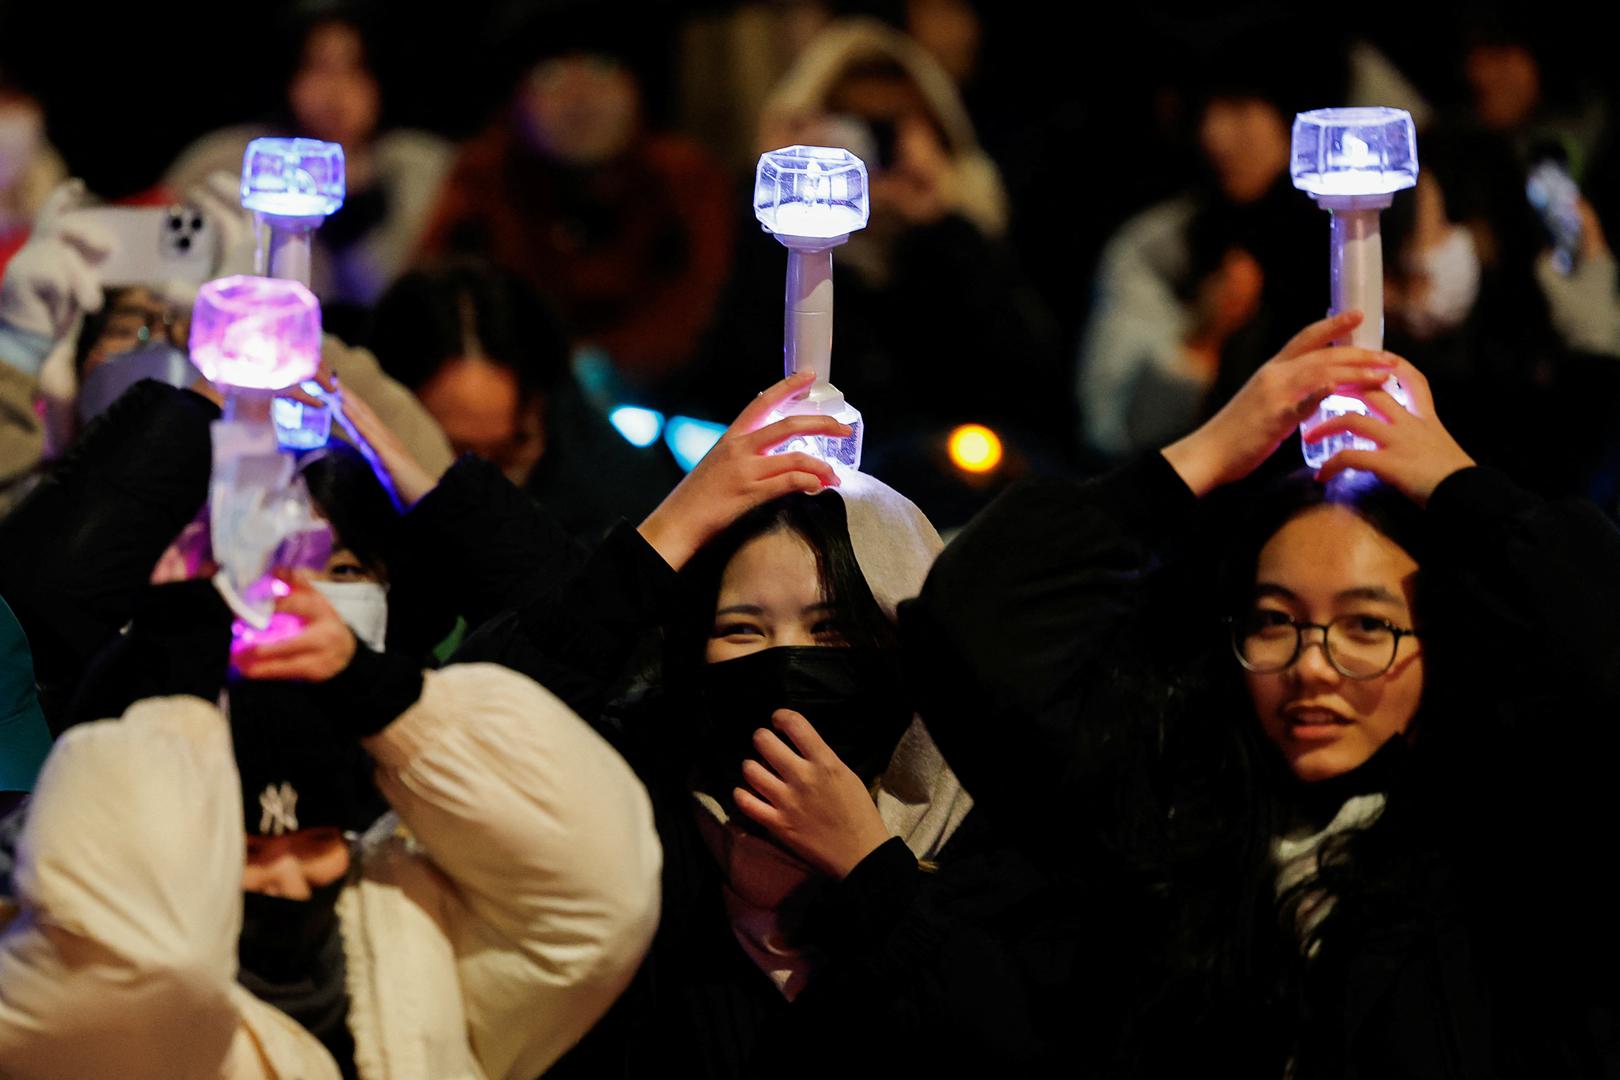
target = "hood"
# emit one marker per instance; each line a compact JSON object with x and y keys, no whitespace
{"x":918,"y":796}
{"x":803,"y":92}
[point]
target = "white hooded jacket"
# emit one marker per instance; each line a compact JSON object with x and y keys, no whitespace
{"x":483,"y":947}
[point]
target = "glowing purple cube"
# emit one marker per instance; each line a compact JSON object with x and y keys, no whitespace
{"x":293,"y":178}
{"x":256,"y":333}
{"x":811,"y":193}
{"x":1345,"y":153}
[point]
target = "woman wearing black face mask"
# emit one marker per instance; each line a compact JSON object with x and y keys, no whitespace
{"x":828,"y":896}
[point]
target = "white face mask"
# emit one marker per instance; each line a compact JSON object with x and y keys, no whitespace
{"x":1451,"y":268}
{"x":363,"y":606}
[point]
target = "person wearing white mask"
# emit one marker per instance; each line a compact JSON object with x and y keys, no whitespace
{"x":194,"y":900}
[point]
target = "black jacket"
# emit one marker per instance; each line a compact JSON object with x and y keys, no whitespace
{"x":917,"y":966}
{"x":1064,"y":652}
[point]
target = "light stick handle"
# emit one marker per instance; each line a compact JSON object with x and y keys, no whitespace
{"x":1358,"y":273}
{"x":808,"y":314}
{"x":289,"y":253}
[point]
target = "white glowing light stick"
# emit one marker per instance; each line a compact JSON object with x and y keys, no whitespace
{"x":1352,"y":162}
{"x":811,"y":198}
{"x":291,"y":185}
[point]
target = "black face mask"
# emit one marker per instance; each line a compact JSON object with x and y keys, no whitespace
{"x":283,"y":939}
{"x":291,"y":956}
{"x":854,"y":698}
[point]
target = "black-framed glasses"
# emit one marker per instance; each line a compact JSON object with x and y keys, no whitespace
{"x":1358,"y":646}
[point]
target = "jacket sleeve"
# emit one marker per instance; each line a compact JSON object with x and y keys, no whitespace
{"x":578,"y":632}
{"x":1004,"y":643}
{"x":122,"y":959}
{"x":78,"y":551}
{"x":506,"y":549}
{"x":927,"y":960}
{"x":548,"y":839}
{"x":1543,"y":577}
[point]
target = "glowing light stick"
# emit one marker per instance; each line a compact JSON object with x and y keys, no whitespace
{"x":255,"y":334}
{"x":811,"y":198}
{"x":1352,"y":162}
{"x":291,"y":185}
{"x":250,"y":337}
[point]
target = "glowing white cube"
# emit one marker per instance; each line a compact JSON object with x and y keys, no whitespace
{"x":256,"y":333}
{"x":296,"y":178}
{"x":1351,"y":152}
{"x":812,"y":192}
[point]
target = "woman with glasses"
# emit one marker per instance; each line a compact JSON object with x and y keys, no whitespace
{"x":1320,"y":764}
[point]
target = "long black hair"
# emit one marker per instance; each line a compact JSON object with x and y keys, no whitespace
{"x":1191,"y":796}
{"x":821,"y":522}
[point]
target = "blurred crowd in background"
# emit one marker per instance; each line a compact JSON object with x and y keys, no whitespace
{"x":1082,"y":240}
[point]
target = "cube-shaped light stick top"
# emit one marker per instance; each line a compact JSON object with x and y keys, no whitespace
{"x":256,"y":333}
{"x":293,"y":178}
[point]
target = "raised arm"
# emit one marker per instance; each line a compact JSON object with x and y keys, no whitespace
{"x":122,"y":959}
{"x":541,"y":830}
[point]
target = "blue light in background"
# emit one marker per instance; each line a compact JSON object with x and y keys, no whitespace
{"x":640,"y":427}
{"x":690,"y":439}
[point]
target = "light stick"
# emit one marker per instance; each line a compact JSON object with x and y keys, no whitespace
{"x":251,"y":337}
{"x":811,"y":198}
{"x":1352,"y":162}
{"x":292,"y":186}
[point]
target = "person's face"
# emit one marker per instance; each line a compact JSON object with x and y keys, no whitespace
{"x":345,"y":565}
{"x":481,"y":408}
{"x":1506,"y":83}
{"x":770,"y":596}
{"x":334,"y":96}
{"x":898,"y":115}
{"x":138,"y":316}
{"x":1246,"y":142}
{"x":582,"y":109}
{"x":1323,"y":564}
{"x":293,"y":865}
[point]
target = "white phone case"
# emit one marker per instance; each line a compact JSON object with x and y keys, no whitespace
{"x":153,"y":245}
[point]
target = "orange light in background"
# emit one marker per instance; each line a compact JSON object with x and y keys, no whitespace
{"x":975,"y":448}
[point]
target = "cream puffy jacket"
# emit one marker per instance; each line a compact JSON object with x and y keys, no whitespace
{"x":483,"y":947}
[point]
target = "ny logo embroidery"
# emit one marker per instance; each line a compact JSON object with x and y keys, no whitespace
{"x":279,"y":808}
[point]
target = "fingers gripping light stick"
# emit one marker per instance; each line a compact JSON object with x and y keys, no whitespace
{"x":1352,"y":162}
{"x":811,"y":198}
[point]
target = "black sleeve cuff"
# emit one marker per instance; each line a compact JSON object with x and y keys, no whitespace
{"x":864,"y":909}
{"x":372,"y":691}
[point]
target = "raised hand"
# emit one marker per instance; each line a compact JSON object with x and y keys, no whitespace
{"x":1415,"y":451}
{"x":1269,"y":407}
{"x":809,"y":799}
{"x":740,"y":473}
{"x":319,"y":651}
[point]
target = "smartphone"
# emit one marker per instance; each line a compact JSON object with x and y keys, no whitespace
{"x":1556,"y":199}
{"x":155,"y":244}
